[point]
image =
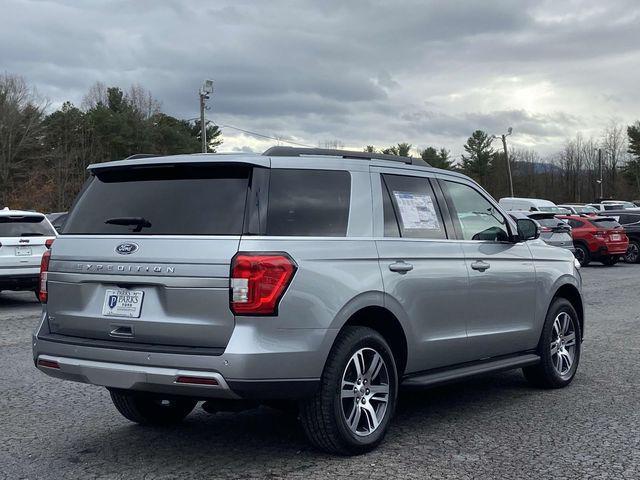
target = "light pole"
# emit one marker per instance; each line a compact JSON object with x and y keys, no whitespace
{"x":600,"y":168}
{"x":506,"y":156}
{"x":205,"y":91}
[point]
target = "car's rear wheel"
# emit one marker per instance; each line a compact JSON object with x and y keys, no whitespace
{"x":356,"y":399}
{"x":609,"y":260}
{"x":582,"y":255}
{"x":151,"y":409}
{"x":633,"y":252}
{"x":559,"y":347}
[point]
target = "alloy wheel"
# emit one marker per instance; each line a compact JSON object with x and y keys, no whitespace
{"x":563,"y":343}
{"x":580,"y":256}
{"x":364,"y":394}
{"x":632,"y":253}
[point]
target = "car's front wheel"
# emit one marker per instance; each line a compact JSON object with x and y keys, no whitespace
{"x":356,"y":399}
{"x":151,"y":409}
{"x":559,"y":347}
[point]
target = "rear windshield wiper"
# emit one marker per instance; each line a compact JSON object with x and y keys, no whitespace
{"x":138,"y":222}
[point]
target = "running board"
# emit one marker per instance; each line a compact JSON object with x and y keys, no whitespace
{"x":439,"y":376}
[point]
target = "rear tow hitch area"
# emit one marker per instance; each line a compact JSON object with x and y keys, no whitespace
{"x":222,"y":405}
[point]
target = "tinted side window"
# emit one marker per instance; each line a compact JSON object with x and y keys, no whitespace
{"x":415,"y":206}
{"x":575,"y":223}
{"x":628,"y":219}
{"x":308,"y":203}
{"x":476,"y":216}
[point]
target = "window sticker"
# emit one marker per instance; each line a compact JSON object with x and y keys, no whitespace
{"x":417,"y":211}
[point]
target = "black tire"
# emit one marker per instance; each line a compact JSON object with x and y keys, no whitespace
{"x":151,"y":409}
{"x":323,"y":415}
{"x":545,"y":374}
{"x":633,"y":252}
{"x":609,"y":260}
{"x":582,"y":254}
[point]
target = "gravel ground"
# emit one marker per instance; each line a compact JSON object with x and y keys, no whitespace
{"x":492,"y":427}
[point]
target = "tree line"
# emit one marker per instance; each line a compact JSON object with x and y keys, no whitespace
{"x":44,"y":156}
{"x":569,"y":175}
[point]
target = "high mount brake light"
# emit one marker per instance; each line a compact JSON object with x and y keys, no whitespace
{"x":258,"y":282}
{"x":44,"y":269}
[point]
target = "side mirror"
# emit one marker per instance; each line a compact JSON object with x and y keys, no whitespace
{"x":527,"y":229}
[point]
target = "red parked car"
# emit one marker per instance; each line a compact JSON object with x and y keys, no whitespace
{"x":597,"y":238}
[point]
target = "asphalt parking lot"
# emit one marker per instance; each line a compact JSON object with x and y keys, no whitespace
{"x":491,"y":427}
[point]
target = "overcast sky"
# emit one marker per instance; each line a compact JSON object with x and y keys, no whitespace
{"x":360,"y":72}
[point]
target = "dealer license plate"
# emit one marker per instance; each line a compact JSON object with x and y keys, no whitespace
{"x":122,"y":303}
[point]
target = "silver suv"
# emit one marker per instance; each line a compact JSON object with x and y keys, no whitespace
{"x":323,"y":278}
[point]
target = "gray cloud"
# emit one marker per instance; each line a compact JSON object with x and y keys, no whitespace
{"x":367,"y":72}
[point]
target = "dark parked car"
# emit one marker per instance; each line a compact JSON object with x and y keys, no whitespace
{"x":57,"y":219}
{"x":630,"y":220}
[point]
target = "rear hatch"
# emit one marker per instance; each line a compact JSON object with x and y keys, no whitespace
{"x":609,"y":230}
{"x":22,"y":242}
{"x":554,"y":231}
{"x":145,"y":254}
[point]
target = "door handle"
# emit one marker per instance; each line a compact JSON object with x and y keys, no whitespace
{"x":401,"y":267}
{"x":480,"y":265}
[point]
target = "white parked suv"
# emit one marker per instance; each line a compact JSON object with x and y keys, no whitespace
{"x":24,"y":237}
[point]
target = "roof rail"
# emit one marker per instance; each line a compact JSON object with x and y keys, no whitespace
{"x":141,"y":155}
{"x":298,"y":151}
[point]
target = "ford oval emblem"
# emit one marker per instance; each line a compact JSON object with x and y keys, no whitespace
{"x":127,"y":248}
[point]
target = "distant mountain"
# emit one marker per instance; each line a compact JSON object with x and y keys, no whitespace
{"x":538,"y":167}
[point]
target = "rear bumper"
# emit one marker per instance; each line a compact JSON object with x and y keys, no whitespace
{"x":618,"y":248}
{"x":135,"y":377}
{"x":257,"y":364}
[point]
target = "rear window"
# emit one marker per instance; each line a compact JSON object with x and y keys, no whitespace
{"x":308,"y":203}
{"x":26,"y":226}
{"x":553,"y":210}
{"x":163,"y":200}
{"x":605,"y":223}
{"x":549,"y":222}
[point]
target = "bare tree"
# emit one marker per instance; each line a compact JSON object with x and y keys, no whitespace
{"x":142,"y":101}
{"x":97,"y":95}
{"x":614,"y":152}
{"x":21,"y":114}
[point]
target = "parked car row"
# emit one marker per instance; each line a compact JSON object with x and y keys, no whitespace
{"x":593,"y":236}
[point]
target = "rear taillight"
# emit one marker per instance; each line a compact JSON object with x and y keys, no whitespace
{"x":48,"y":242}
{"x":600,"y":233}
{"x":545,"y":230}
{"x":44,"y":269}
{"x":258,"y":282}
